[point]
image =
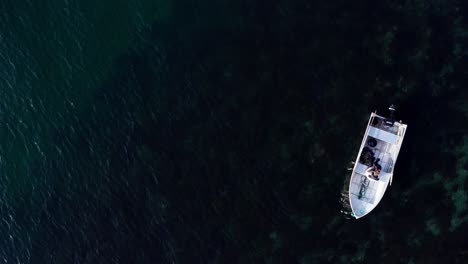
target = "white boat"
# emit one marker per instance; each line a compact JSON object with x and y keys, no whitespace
{"x":382,"y":140}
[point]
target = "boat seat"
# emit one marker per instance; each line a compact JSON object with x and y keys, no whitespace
{"x":361,"y":168}
{"x":382,"y":135}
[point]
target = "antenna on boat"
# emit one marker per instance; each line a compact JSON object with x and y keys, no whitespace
{"x":391,"y":120}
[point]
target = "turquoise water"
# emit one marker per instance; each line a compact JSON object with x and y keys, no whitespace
{"x":186,"y":132}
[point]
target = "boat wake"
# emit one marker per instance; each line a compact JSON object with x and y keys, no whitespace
{"x":344,"y":195}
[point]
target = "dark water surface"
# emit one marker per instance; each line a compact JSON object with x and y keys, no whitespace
{"x":188,"y":132}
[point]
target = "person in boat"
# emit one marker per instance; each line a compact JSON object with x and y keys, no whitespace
{"x":374,"y":171}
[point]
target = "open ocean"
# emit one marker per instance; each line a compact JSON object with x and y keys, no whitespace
{"x":157,"y":131}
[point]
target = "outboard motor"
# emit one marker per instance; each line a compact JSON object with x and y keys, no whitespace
{"x":391,"y":120}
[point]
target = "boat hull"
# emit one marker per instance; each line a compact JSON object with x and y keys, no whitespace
{"x":382,"y":143}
